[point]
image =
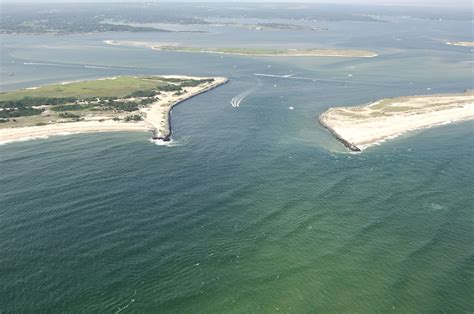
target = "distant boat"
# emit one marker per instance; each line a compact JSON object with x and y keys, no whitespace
{"x":11,"y":74}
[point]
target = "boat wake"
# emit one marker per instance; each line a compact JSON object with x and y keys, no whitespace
{"x":52,"y":64}
{"x":319,"y":80}
{"x":235,"y":102}
{"x":120,"y":309}
{"x":87,"y":66}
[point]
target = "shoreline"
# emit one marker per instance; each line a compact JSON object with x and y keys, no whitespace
{"x":11,"y":135}
{"x":157,"y":118}
{"x":162,"y":131}
{"x":461,"y":43}
{"x":318,"y":53}
{"x":338,"y":137}
{"x":361,"y":127}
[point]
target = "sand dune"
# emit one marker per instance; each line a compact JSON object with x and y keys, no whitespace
{"x":364,"y":126}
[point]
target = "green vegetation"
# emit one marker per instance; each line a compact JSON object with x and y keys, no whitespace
{"x":71,"y":107}
{"x":135,"y":117}
{"x":147,"y":101}
{"x":89,"y":95}
{"x":404,"y":105}
{"x":170,"y":88}
{"x":112,"y":87}
{"x":68,"y":115}
{"x":350,"y":114}
{"x":245,"y":51}
{"x":107,"y":98}
{"x":142,"y":93}
{"x":282,"y":26}
{"x":26,"y":101}
{"x":59,"y":18}
{"x":105,"y":89}
{"x":194,"y":83}
{"x":186,"y":82}
{"x":124,"y":105}
{"x":270,"y":52}
{"x":398,"y":108}
{"x":19,"y":112}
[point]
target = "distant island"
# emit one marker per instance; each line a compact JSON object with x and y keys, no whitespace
{"x":364,"y":126}
{"x":276,"y":26}
{"x":461,"y":43}
{"x":257,"y":52}
{"x":122,"y":103}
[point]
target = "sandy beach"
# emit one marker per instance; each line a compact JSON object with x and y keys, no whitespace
{"x":156,"y":117}
{"x":461,"y":43}
{"x":364,"y":126}
{"x":8,"y":135}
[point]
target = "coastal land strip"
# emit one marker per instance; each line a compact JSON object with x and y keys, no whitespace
{"x":123,"y":103}
{"x":367,"y":125}
{"x":255,"y":52}
{"x":461,"y":43}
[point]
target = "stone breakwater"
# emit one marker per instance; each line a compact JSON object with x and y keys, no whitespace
{"x":350,"y":146}
{"x":162,"y":129}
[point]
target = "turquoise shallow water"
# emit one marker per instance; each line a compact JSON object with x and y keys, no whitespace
{"x":252,"y":209}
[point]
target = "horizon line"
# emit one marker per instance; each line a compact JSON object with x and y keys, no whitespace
{"x":305,"y":2}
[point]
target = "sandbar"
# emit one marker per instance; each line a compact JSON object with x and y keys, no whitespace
{"x":364,"y":126}
{"x":254,"y":52}
{"x":461,"y":43}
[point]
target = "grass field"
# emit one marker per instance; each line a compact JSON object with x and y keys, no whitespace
{"x":405,"y":105}
{"x":116,"y":99}
{"x":111,"y":87}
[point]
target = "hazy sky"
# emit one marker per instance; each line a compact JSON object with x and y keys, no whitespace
{"x":438,"y":3}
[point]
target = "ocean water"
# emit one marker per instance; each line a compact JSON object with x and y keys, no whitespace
{"x":253,"y":208}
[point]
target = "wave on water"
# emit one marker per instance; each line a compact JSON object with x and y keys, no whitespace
{"x":53,"y":64}
{"x":36,"y":137}
{"x":98,"y":67}
{"x":69,"y":65}
{"x":170,"y":143}
{"x":24,"y":139}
